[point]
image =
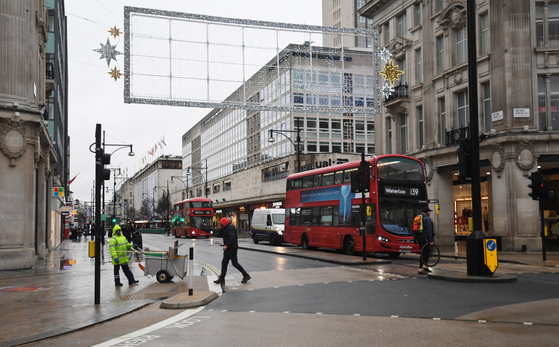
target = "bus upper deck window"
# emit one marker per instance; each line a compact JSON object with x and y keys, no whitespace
{"x":339,"y":177}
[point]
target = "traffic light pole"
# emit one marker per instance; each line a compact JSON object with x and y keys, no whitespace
{"x":98,"y":180}
{"x":542,"y":229}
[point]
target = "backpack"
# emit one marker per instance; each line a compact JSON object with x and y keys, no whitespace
{"x":418,"y":224}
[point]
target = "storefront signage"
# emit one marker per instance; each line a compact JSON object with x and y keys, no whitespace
{"x":496,"y":116}
{"x":521,"y":113}
{"x":277,"y":204}
{"x":218,"y":211}
{"x":324,"y":163}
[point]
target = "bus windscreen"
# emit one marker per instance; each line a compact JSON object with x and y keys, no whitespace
{"x":396,"y":168}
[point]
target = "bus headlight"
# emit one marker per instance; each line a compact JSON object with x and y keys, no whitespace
{"x":193,"y":232}
{"x":383,"y":239}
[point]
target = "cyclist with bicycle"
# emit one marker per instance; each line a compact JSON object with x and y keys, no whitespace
{"x":424,"y":235}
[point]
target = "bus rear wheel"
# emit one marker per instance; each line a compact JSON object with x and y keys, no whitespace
{"x":349,"y":246}
{"x":305,"y":242}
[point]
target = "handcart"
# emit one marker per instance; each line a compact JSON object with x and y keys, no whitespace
{"x":165,"y":265}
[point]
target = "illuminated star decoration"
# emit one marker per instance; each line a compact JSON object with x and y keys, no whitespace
{"x":391,"y":72}
{"x":115,"y":32}
{"x":108,"y":52}
{"x":385,"y":55}
{"x":115,"y":73}
{"x":387,"y":90}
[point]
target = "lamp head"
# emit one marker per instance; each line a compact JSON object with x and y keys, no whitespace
{"x":271,"y":139}
{"x":131,"y":153}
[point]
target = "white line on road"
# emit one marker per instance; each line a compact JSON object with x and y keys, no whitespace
{"x":157,"y":326}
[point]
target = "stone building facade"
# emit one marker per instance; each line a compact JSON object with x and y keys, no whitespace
{"x":30,"y":218}
{"x":518,"y":89}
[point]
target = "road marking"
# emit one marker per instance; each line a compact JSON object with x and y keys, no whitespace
{"x":139,"y":333}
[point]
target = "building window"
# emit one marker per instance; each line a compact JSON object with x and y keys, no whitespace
{"x":419,"y":70}
{"x":419,"y":111}
{"x":311,"y":147}
{"x":324,"y":147}
{"x":360,"y":130}
{"x":438,"y":6}
{"x":461,"y":45}
{"x":417,"y":15}
{"x":403,"y":133}
{"x":216,"y":188}
{"x":484,"y":22}
{"x":386,"y":33}
{"x":336,"y":129}
{"x":463,"y":120}
{"x":553,"y":96}
{"x":440,"y":54}
{"x":311,"y":127}
{"x":336,"y":147}
{"x":324,"y":130}
{"x":442,"y":117}
{"x":486,"y":107}
{"x":359,"y":148}
{"x":547,"y":30}
{"x":50,"y":21}
{"x":297,"y":98}
{"x":226,"y":185}
{"x":401,"y":25}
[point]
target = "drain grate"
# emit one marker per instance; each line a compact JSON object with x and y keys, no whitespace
{"x":148,"y":296}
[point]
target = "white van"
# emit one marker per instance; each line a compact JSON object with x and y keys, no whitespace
{"x":268,"y":225}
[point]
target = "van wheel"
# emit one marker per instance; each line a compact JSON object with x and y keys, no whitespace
{"x":254,"y":239}
{"x":305,"y":242}
{"x":273,"y":241}
{"x":349,"y":246}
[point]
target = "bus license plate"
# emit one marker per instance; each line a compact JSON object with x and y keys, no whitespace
{"x":405,"y":249}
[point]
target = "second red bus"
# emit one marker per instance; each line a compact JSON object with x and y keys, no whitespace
{"x":192,"y":218}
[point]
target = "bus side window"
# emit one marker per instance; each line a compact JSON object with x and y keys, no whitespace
{"x":316,"y":215}
{"x":339,"y":177}
{"x":328,"y":179}
{"x":335,"y":215}
{"x":317,"y":180}
{"x":306,"y":216}
{"x":307,"y":182}
{"x":347,"y":176}
{"x":326,"y":216}
{"x":297,"y":184}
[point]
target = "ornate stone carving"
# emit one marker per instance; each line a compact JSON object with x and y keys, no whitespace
{"x":525,"y":157}
{"x":498,"y":158}
{"x":12,"y":140}
{"x":428,"y":165}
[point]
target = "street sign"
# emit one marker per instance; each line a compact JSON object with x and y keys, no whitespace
{"x":490,"y":254}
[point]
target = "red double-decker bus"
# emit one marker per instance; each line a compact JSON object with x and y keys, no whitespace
{"x":193,"y":217}
{"x":321,"y":211}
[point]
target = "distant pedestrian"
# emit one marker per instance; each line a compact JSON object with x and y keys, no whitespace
{"x":230,"y":246}
{"x":119,"y":252}
{"x":486,"y":219}
{"x":424,"y":237}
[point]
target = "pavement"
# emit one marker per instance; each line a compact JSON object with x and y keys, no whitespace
{"x":56,"y":296}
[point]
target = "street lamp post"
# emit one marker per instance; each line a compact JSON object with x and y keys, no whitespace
{"x":200,"y":171}
{"x":297,"y":147}
{"x":185,"y":184}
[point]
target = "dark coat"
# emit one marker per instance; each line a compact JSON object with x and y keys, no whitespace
{"x":427,"y":228}
{"x":229,"y":233}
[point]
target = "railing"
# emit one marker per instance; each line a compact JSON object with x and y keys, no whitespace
{"x":455,"y":135}
{"x":400,"y":92}
{"x":49,"y":74}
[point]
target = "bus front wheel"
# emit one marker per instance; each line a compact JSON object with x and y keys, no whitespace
{"x":305,"y":242}
{"x":349,"y":246}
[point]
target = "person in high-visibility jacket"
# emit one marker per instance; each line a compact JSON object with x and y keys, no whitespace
{"x":119,"y":252}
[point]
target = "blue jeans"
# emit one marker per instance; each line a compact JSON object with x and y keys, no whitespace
{"x":231,"y":254}
{"x":127,"y":272}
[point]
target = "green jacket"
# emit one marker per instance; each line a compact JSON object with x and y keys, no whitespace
{"x":119,"y":249}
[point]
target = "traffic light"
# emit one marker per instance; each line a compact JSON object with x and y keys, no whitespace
{"x":106,"y":160}
{"x":551,"y":193}
{"x":536,"y":185}
{"x":113,"y":219}
{"x":464,"y":161}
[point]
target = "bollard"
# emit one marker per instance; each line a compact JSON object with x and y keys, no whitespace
{"x":190,"y":270}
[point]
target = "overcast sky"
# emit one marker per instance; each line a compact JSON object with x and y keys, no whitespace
{"x":94,"y":97}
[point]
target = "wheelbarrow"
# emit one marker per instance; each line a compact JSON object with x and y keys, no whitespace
{"x":164,"y":265}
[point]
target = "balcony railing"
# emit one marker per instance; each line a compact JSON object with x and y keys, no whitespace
{"x":455,"y":135}
{"x":400,"y":92}
{"x":49,"y":74}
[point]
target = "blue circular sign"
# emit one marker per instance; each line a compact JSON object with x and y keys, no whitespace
{"x":491,"y":245}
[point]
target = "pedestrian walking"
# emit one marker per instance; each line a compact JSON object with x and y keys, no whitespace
{"x":425,"y":236}
{"x":486,"y":219}
{"x":119,"y":252}
{"x":230,"y":246}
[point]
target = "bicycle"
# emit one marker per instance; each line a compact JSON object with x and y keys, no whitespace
{"x":430,"y":254}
